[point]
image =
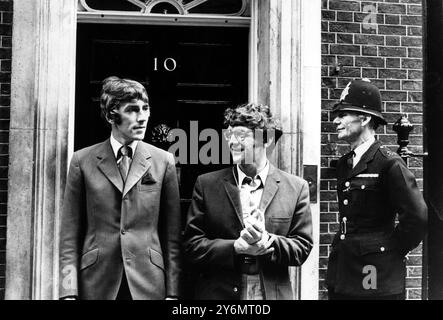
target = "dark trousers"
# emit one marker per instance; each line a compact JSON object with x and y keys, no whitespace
{"x":337,"y":296}
{"x":124,"y":293}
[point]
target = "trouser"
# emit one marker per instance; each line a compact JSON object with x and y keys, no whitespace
{"x":123,"y":292}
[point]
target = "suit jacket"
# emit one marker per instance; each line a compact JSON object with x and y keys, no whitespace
{"x":368,"y":252}
{"x":108,"y":227}
{"x":215,"y":221}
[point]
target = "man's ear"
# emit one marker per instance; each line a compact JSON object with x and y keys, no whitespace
{"x":366,"y":120}
{"x":109,"y":120}
{"x":112,"y":117}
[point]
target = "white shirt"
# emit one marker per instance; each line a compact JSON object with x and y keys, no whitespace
{"x":117,"y":145}
{"x":250,"y":197}
{"x":361,"y":149}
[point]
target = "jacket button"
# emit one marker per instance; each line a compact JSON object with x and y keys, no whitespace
{"x":363,"y":187}
{"x":235,"y":289}
{"x":122,"y":231}
{"x":342,"y":237}
{"x":347,"y":184}
{"x":345,"y":202}
{"x":382,"y":249}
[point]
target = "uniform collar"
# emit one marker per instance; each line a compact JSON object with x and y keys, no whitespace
{"x":361,"y":149}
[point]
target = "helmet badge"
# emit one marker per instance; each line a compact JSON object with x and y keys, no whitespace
{"x":345,"y":92}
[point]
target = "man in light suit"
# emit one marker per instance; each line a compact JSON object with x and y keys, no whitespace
{"x":248,"y":223}
{"x":120,"y":223}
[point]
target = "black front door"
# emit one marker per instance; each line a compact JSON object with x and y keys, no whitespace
{"x":192,"y":75}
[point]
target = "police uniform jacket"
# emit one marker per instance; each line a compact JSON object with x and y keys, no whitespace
{"x":108,"y":227}
{"x":368,"y":252}
{"x":215,"y":222}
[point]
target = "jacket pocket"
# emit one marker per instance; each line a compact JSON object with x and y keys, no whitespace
{"x":156,"y":258}
{"x":280,"y":219}
{"x":89,"y":258}
{"x":380,"y":246}
{"x":367,"y":267}
{"x":149,"y":187}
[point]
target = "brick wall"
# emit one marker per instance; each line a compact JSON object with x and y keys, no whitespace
{"x":380,"y":40}
{"x":5,"y":93}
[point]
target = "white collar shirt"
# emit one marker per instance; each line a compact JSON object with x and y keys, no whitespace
{"x":361,"y":149}
{"x":117,"y":145}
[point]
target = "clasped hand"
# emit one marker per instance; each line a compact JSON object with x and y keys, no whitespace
{"x":254,"y":240}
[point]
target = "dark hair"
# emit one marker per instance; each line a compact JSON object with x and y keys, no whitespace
{"x":374,"y":123}
{"x":116,"y":91}
{"x":255,"y":117}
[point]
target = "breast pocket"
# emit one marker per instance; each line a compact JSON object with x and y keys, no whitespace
{"x":278,"y":225}
{"x":149,"y":187}
{"x":364,"y":190}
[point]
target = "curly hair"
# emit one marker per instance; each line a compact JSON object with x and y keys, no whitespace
{"x":116,"y":91}
{"x":253,"y":116}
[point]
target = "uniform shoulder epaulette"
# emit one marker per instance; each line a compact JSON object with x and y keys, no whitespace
{"x":387,"y":152}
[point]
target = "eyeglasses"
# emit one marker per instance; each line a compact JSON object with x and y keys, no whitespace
{"x":240,"y":135}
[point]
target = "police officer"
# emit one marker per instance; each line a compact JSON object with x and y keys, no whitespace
{"x":374,"y":186}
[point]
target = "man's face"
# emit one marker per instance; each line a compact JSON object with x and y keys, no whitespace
{"x":243,"y":146}
{"x":134,"y":117}
{"x":349,"y":126}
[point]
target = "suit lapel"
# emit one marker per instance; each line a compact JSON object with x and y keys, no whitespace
{"x":363,"y":163}
{"x":271,"y":187}
{"x":141,"y":163}
{"x":108,"y":165}
{"x":231,"y":189}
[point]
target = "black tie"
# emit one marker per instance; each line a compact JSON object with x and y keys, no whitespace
{"x":350,"y":159}
{"x":125,"y":154}
{"x":251,"y":182}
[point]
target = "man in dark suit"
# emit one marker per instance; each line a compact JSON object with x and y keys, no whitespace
{"x":248,"y":223}
{"x":374,"y":185}
{"x":120,"y":223}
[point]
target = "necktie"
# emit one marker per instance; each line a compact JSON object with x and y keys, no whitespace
{"x":125,"y":153}
{"x":254,"y":184}
{"x":350,"y":159}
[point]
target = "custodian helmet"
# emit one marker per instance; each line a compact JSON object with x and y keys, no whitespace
{"x":361,"y":96}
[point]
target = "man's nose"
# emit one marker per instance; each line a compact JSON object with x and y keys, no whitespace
{"x":232,"y":140}
{"x":336,"y":120}
{"x":142,"y":116}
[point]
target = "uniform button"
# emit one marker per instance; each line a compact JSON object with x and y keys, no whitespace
{"x":363,"y":187}
{"x":235,"y":289}
{"x":347,"y":184}
{"x":345,"y":202}
{"x":342,"y":237}
{"x":382,"y":249}
{"x":122,"y":231}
